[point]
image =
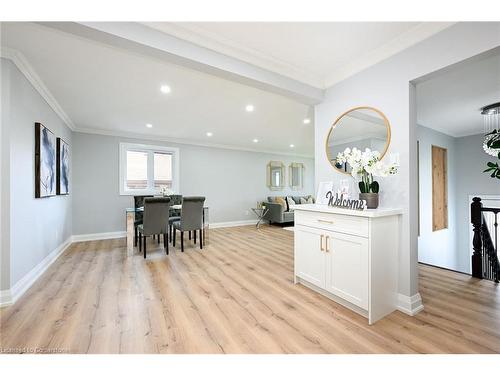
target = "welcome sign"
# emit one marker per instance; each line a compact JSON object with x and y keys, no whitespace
{"x":341,"y":202}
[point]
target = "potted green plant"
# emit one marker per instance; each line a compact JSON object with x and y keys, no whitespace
{"x":364,"y":166}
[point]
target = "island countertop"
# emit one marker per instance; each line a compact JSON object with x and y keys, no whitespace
{"x":378,"y":212}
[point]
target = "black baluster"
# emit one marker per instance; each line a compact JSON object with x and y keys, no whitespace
{"x":477,"y":221}
{"x":496,"y":232}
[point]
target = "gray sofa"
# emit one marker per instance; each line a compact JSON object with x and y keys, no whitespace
{"x":278,"y":214}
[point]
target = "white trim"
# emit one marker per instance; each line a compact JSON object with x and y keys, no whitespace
{"x":403,"y":41}
{"x":410,"y":305}
{"x":98,"y":236}
{"x":8,"y":297}
{"x":23,"y":65}
{"x":5,"y":298}
{"x":228,"y":224}
{"x":174,"y":151}
{"x":182,"y":141}
{"x":27,"y":70}
{"x":217,"y":42}
{"x":195,"y":34}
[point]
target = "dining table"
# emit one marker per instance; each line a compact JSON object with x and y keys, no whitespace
{"x":130,"y":213}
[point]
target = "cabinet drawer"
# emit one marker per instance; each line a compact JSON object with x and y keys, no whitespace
{"x":334,"y":222}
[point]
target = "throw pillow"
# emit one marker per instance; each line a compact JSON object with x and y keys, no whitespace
{"x":310,"y":199}
{"x":281,"y":201}
{"x":289,"y":203}
{"x":303,"y":200}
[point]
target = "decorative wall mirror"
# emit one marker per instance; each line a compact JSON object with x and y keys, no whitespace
{"x":275,"y":175}
{"x":296,"y":176}
{"x":360,"y":127}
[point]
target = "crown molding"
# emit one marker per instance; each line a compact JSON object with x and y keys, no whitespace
{"x":226,"y":46}
{"x":182,"y":141}
{"x":215,"y":42}
{"x":409,"y":38}
{"x":27,"y":70}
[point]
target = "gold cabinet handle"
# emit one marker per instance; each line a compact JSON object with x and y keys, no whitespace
{"x":326,"y":243}
{"x":325,"y":221}
{"x":321,"y":243}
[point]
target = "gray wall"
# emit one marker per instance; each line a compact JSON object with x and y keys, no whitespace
{"x":4,"y":181}
{"x":438,"y":248}
{"x":471,"y":162}
{"x":37,"y":226}
{"x":232,"y":181}
{"x":451,"y":248}
{"x":388,"y":86}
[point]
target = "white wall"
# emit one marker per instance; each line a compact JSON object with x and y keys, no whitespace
{"x":438,"y":248}
{"x":37,"y":226}
{"x":232,"y":181}
{"x":387,"y":86}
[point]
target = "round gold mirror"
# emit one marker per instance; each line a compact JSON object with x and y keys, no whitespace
{"x":360,"y":127}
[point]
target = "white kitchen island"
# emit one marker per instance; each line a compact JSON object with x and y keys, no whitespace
{"x":349,"y":256}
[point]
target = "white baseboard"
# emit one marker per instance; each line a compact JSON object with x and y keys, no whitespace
{"x":228,"y":224}
{"x":98,"y":236}
{"x":5,"y":298}
{"x":410,"y":305}
{"x":8,"y":297}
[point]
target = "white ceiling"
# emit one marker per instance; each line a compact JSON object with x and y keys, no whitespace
{"x":316,"y":53}
{"x":107,"y":89}
{"x":450,"y":102}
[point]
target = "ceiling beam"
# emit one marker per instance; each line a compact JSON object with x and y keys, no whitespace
{"x":147,"y":41}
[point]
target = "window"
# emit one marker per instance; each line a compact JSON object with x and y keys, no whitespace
{"x":137,"y":170}
{"x":146,"y":169}
{"x":162,"y":170}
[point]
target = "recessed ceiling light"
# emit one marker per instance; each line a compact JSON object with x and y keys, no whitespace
{"x":209,"y":134}
{"x":165,"y":89}
{"x":149,"y":125}
{"x":307,"y":121}
{"x":255,"y":140}
{"x":249,"y":108}
{"x":292,"y":145}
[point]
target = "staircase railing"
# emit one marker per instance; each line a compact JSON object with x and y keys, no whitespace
{"x":485,"y":263}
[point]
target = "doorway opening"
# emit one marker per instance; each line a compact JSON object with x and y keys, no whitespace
{"x":451,"y":131}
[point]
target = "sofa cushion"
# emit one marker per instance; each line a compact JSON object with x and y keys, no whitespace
{"x":307,"y":200}
{"x":290,"y":202}
{"x":282,"y":201}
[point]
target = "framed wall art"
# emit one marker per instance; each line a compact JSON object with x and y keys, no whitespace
{"x":45,"y":162}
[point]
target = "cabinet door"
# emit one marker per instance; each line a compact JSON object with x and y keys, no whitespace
{"x":347,"y":267}
{"x":309,"y":257}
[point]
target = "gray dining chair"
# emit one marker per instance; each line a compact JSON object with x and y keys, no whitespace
{"x":175,"y":214}
{"x":191,"y":219}
{"x":155,"y":221}
{"x":138,"y":202}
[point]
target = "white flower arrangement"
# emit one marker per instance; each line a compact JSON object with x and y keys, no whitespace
{"x":365,"y":165}
{"x":165,"y":191}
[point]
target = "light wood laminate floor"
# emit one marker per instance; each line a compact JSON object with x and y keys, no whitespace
{"x":234,"y":296}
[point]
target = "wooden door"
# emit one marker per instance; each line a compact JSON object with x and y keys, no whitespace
{"x":439,"y":188}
